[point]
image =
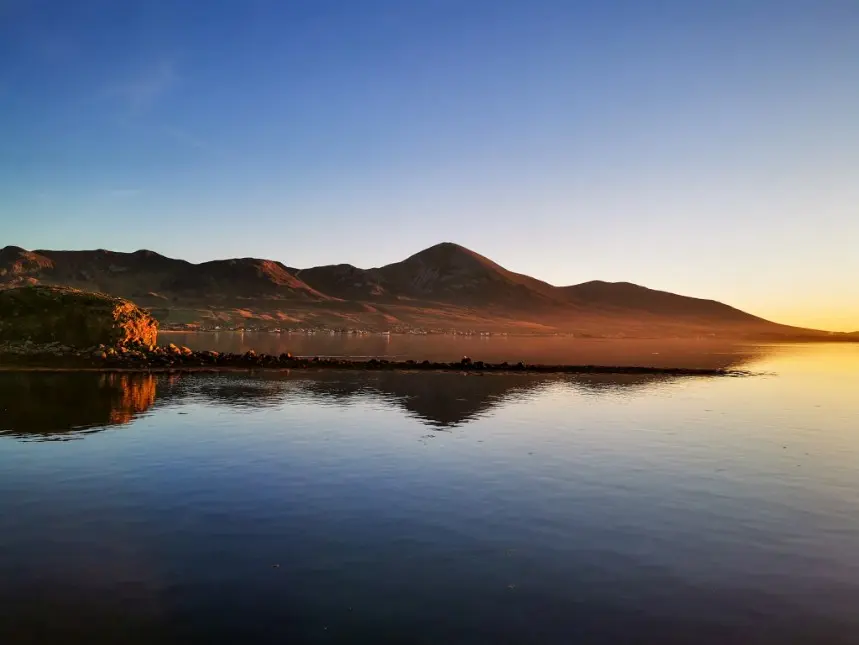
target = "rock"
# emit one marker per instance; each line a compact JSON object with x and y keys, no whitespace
{"x":37,"y":315}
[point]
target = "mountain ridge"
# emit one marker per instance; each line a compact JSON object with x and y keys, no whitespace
{"x":445,"y":286}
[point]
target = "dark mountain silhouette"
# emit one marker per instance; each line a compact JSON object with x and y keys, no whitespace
{"x":443,"y":287}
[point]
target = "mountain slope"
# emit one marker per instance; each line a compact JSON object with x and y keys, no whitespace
{"x":628,"y":297}
{"x":243,"y":277}
{"x":18,"y":266}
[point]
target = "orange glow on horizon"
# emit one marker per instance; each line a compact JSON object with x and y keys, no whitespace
{"x":810,"y":318}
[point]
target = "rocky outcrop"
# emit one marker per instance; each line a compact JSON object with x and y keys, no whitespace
{"x":72,"y":318}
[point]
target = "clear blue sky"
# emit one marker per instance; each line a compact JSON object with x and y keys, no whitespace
{"x":707,"y":147}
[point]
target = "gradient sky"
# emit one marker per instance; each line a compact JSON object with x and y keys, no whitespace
{"x":709,"y":148}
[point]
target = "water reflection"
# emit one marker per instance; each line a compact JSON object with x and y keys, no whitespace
{"x":67,"y":405}
{"x":52,"y":405}
{"x":447,"y":400}
{"x":64,"y":405}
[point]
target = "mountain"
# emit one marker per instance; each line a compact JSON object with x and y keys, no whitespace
{"x":453,"y":274}
{"x":145,"y":273}
{"x":443,"y":287}
{"x":245,"y":276}
{"x":445,"y":273}
{"x":628,"y":297}
{"x":343,"y":281}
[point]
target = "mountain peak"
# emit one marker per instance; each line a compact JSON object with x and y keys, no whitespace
{"x":146,"y":253}
{"x":450,"y":272}
{"x":445,"y":251}
{"x":448,"y":246}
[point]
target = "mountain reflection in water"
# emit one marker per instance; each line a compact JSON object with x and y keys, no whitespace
{"x":39,"y":405}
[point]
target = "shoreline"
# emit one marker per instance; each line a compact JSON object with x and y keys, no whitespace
{"x":477,"y":369}
{"x":172,"y":358}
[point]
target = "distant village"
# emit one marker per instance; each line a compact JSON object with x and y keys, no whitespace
{"x":322,"y":330}
{"x":332,"y":331}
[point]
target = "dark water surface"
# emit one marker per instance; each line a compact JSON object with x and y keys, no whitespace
{"x":434,"y":508}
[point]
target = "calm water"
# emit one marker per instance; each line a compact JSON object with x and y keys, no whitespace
{"x":434,"y":508}
{"x":662,"y":353}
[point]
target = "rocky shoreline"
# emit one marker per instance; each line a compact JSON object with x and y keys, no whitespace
{"x":169,"y":358}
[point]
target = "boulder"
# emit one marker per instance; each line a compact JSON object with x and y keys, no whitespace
{"x":78,"y":319}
